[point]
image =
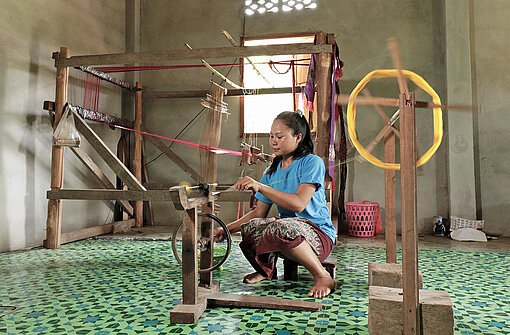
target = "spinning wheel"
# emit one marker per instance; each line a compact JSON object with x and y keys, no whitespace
{"x":221,"y":250}
{"x":407,"y":105}
{"x":351,"y":116}
{"x":401,"y":76}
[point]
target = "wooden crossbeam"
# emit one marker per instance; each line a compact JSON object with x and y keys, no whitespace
{"x":158,"y":143}
{"x":160,"y":57}
{"x":343,"y":99}
{"x":203,"y":93}
{"x":103,"y":194}
{"x":100,"y":176}
{"x":107,"y":155}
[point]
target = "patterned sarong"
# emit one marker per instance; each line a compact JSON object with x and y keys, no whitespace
{"x":264,"y":238}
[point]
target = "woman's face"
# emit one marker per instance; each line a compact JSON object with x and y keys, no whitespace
{"x":282,"y":139}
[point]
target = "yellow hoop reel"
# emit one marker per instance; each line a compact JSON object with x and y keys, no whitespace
{"x":437,"y":113}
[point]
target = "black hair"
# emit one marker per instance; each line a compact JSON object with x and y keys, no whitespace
{"x":298,"y":124}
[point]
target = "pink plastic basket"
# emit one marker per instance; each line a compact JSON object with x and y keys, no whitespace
{"x":361,"y":218}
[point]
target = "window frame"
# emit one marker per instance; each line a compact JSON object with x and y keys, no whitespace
{"x":261,"y":37}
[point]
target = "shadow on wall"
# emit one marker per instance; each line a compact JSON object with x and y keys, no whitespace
{"x":4,"y":224}
{"x":27,"y":143}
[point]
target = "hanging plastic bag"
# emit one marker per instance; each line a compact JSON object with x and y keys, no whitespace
{"x":66,"y":133}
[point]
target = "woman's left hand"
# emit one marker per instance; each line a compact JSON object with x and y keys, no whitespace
{"x":247,"y":183}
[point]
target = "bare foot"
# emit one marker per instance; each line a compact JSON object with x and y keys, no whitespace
{"x":253,"y":278}
{"x":323,"y":286}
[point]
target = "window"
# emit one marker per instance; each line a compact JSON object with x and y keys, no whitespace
{"x":274,"y":6}
{"x":258,"y":111}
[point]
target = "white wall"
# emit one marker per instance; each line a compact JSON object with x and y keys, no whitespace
{"x":31,"y":31}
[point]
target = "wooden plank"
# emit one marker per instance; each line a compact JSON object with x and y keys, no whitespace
{"x":100,"y":176}
{"x":390,"y":233}
{"x":158,"y":143}
{"x":237,"y":300}
{"x":103,"y":194}
{"x":137,"y":159}
{"x":54,"y":218}
{"x":203,"y":93}
{"x":324,"y":89}
{"x":342,"y":99}
{"x":146,"y":180}
{"x":94,"y":231}
{"x":107,"y":155}
{"x":189,"y":257}
{"x":161,"y":57}
{"x":148,"y":195}
{"x":410,"y":305}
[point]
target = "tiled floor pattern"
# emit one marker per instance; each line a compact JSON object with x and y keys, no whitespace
{"x":128,"y":287}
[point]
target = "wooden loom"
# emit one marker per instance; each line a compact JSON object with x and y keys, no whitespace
{"x":195,"y":297}
{"x":63,"y":61}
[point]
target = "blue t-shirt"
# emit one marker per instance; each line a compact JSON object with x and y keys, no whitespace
{"x":307,"y":169}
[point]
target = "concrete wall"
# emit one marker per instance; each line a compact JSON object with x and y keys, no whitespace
{"x":361,"y":29}
{"x":491,"y":72}
{"x":31,"y":34}
{"x":31,"y":31}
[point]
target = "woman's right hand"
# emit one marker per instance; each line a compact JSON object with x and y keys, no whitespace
{"x":218,"y":235}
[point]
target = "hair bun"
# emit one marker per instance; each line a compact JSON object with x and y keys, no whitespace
{"x":300,"y":112}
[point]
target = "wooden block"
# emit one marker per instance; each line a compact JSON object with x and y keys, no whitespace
{"x":385,"y":311}
{"x":388,"y":275}
{"x":188,"y":313}
{"x":290,"y":271}
{"x":437,"y":312}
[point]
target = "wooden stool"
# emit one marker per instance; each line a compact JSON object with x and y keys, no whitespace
{"x":290,"y":268}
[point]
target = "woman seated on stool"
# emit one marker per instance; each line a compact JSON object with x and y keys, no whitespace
{"x":295,"y":183}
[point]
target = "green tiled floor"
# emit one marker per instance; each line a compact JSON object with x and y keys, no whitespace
{"x":129,"y":287}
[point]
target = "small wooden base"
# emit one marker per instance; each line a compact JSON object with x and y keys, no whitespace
{"x":208,"y":297}
{"x":290,"y":268}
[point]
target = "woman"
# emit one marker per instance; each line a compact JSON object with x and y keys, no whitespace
{"x":295,"y":183}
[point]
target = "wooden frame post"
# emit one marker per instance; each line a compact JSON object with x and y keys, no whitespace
{"x":137,"y":159}
{"x":189,"y":257}
{"x":390,"y":233}
{"x":324,"y":91}
{"x":208,"y":170}
{"x":54,"y":218}
{"x":410,"y":307}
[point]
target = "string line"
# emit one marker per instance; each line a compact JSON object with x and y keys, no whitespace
{"x":109,"y":69}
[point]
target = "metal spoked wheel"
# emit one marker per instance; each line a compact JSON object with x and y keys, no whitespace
{"x":203,"y":244}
